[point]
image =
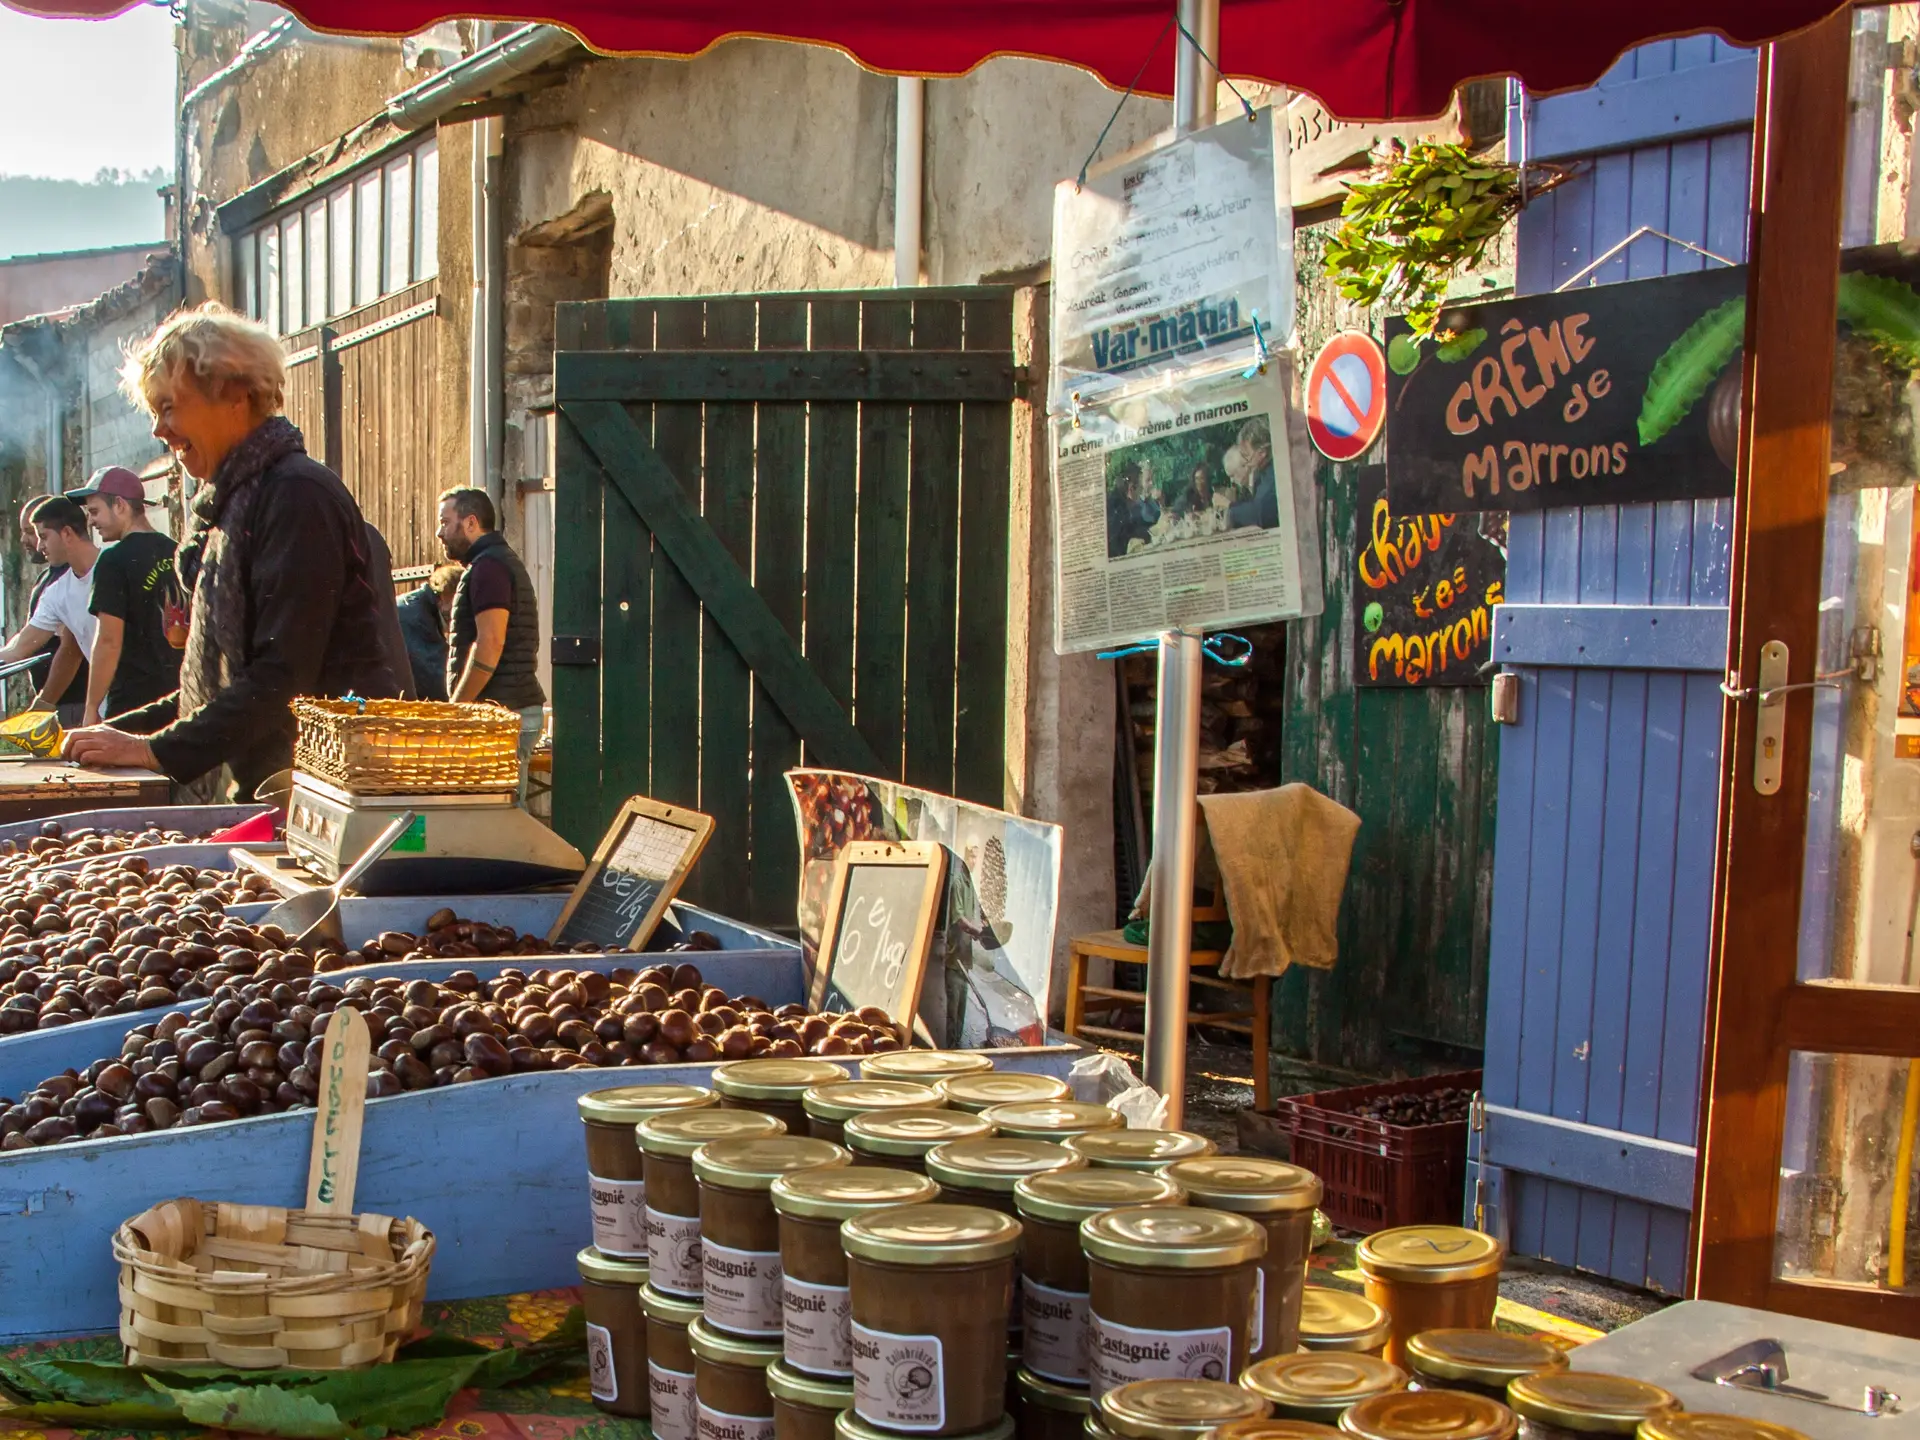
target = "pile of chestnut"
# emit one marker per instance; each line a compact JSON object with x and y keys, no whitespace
{"x":55,"y":842}
{"x":257,"y":1049}
{"x":448,"y":937}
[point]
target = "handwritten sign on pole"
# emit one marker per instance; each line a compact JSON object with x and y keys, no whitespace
{"x":638,"y":868}
{"x":878,"y":926}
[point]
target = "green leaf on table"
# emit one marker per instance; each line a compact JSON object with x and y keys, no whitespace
{"x":263,"y":1410}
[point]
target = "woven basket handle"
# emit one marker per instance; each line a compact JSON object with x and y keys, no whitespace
{"x":333,"y":1167}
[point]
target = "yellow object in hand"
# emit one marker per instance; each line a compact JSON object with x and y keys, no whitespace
{"x":33,"y":732}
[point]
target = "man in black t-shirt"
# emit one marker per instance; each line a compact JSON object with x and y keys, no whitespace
{"x":133,"y":663}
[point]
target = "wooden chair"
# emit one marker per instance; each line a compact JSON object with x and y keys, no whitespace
{"x":1253,"y":1020}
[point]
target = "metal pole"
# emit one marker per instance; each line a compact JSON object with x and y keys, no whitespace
{"x":1176,"y":763}
{"x":1194,"y":80}
{"x":909,"y":177}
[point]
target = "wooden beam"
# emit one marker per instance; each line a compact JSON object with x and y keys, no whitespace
{"x":894,"y":376}
{"x":1841,"y":1019}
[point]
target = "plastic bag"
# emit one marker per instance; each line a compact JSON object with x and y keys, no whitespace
{"x":32,"y":732}
{"x":1102,"y":1079}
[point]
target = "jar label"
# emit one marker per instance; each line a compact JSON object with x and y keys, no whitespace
{"x":712,"y":1424}
{"x":819,"y":1327}
{"x":1118,"y":1354}
{"x":1055,"y":1346}
{"x":1257,"y":1321}
{"x":601,"y":1380}
{"x":899,"y":1381}
{"x":671,"y":1394}
{"x":619,"y":1216}
{"x":742,"y":1289}
{"x":673,"y":1252}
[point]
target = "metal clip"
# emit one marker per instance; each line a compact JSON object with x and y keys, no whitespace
{"x":1761,"y":1365}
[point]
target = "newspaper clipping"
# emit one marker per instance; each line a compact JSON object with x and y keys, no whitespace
{"x":1176,"y":506}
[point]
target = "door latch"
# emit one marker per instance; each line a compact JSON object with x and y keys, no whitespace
{"x":1770,"y":725}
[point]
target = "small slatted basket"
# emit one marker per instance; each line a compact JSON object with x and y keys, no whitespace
{"x":259,"y":1287}
{"x":407,"y":747}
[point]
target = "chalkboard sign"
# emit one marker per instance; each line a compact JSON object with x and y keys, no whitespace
{"x":878,"y":926}
{"x":1424,"y":587}
{"x":634,"y":875}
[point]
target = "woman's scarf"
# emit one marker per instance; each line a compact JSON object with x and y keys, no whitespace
{"x":213,"y":562}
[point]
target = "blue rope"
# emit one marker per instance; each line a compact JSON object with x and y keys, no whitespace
{"x":1213,"y":647}
{"x":1259,"y":367}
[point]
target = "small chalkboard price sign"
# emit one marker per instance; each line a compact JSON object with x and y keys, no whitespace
{"x":640,"y":865}
{"x":878,"y":926}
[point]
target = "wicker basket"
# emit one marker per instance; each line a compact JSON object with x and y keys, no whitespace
{"x":407,"y":747}
{"x":255,"y":1286}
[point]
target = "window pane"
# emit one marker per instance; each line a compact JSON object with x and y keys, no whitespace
{"x":340,"y":240}
{"x":246,"y":262}
{"x":293,"y":269}
{"x":399,"y":223}
{"x":426,"y":211}
{"x":316,"y":262}
{"x":366,"y":251}
{"x":270,"y":279}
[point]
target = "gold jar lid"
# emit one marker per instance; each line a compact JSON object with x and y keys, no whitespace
{"x":1172,"y":1237}
{"x":795,"y":1387}
{"x":1429,"y":1255}
{"x":606,"y":1270}
{"x":680,"y":1135}
{"x":1340,"y":1320}
{"x":997,"y":1164}
{"x":849,"y":1426}
{"x":774,"y":1079}
{"x":718,"y":1348}
{"x":1051,"y":1119}
{"x":1176,"y":1409}
{"x":1246,"y":1183}
{"x":841,"y":1192}
{"x":630,"y":1104}
{"x":1051,"y":1395}
{"x":931,"y":1235}
{"x":1484,"y":1357}
{"x":1075,"y":1194}
{"x":669,"y":1309}
{"x":913,"y":1132}
{"x":1279,"y":1427}
{"x":1430,"y":1415}
{"x":845,"y":1099}
{"x":1137,"y":1149}
{"x":925,"y":1066}
{"x":756,"y":1164}
{"x":1587,"y":1400}
{"x":1685,"y":1425}
{"x":1002,"y":1087}
{"x":1308,"y":1386}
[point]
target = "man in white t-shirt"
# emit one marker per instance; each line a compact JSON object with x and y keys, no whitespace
{"x":63,"y":609}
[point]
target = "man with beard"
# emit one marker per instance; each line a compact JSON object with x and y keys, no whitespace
{"x":71,"y":694}
{"x":493,"y":636}
{"x":133,"y":663}
{"x":60,"y":612}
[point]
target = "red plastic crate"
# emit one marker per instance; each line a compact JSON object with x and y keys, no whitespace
{"x":1378,"y":1175}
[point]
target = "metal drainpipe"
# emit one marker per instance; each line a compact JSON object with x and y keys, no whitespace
{"x":909,"y":177}
{"x":485,"y":393}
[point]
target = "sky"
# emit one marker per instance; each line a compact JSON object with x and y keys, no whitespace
{"x":80,"y":96}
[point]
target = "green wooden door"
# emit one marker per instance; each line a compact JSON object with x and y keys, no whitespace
{"x":781,"y":538}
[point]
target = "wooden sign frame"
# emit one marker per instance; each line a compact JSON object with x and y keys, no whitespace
{"x":700,"y":825}
{"x":926,"y":855}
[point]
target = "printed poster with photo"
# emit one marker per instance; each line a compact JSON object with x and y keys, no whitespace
{"x":992,"y":959}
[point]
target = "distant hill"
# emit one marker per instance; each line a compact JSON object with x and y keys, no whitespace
{"x":114,"y":208}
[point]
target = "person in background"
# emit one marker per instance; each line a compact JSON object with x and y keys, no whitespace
{"x":61,"y":612}
{"x":393,"y":641}
{"x":132,"y":663}
{"x":276,"y":561}
{"x":423,"y":620}
{"x":494,"y":631}
{"x":73,"y":693}
{"x":1262,"y":507}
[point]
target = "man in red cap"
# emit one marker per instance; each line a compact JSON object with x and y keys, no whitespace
{"x":133,"y":663}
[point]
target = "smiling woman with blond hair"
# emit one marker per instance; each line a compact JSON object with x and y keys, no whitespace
{"x":276,"y":562}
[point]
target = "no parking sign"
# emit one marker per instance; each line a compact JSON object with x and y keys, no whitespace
{"x":1347,"y":395}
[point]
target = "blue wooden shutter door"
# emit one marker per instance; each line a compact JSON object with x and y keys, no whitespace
{"x":1616,"y":623}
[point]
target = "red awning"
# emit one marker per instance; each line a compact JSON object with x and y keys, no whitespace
{"x":1365,"y":59}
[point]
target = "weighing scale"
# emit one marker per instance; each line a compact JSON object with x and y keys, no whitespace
{"x":460,"y":844}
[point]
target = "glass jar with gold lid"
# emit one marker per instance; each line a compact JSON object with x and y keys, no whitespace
{"x":1053,"y":1267}
{"x":984,"y":1172}
{"x":1702,"y":1425}
{"x":730,"y":1391}
{"x":1321,"y":1388}
{"x":902,"y":1138}
{"x":616,"y":1182}
{"x":1483,"y":1361}
{"x":829,"y":1107}
{"x":1570,"y":1404}
{"x":1175,"y":1409}
{"x":1430,"y":1415}
{"x":670,"y":1395}
{"x":1274,"y":1428}
{"x":975,"y":1093}
{"x":1340,"y":1320}
{"x":775,"y":1087}
{"x":1137,"y":1149}
{"x":740,"y":1230}
{"x":849,"y":1426}
{"x":616,"y":1332}
{"x":1431,"y":1277}
{"x":1053,"y":1120}
{"x":805,"y":1406}
{"x":1280,"y":1199}
{"x":667,"y":1143}
{"x":924,"y":1067}
{"x":1048,"y":1410}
